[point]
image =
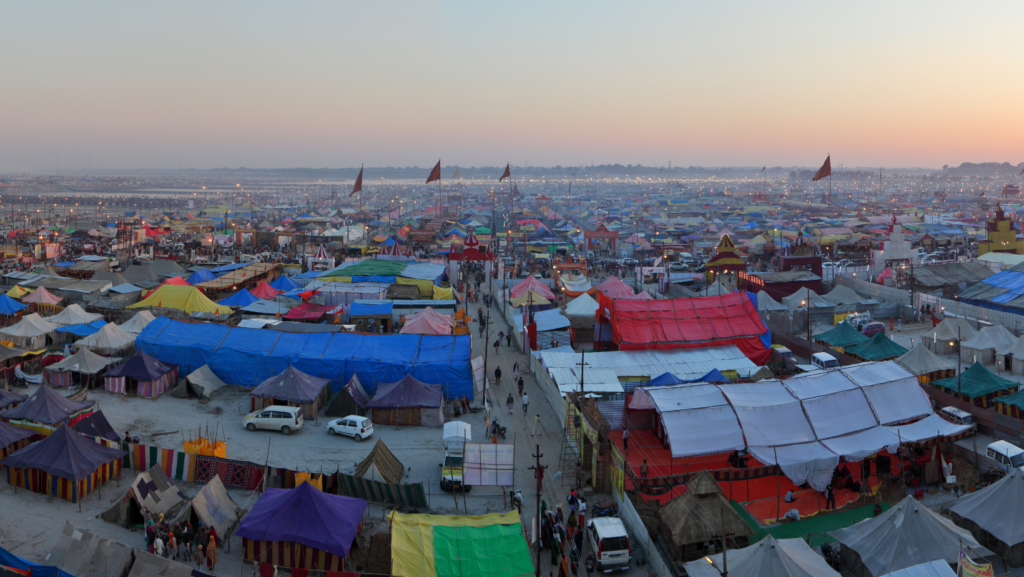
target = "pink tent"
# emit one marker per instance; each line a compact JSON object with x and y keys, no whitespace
{"x":265,"y":291}
{"x":427,"y":322}
{"x":42,"y":296}
{"x":615,"y":289}
{"x":534,"y":284}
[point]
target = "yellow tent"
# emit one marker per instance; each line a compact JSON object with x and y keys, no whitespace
{"x":185,"y":298}
{"x":443,"y":294}
{"x":530,"y":298}
{"x":18,"y":291}
{"x":433,"y":545}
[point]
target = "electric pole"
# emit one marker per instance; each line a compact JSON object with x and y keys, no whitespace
{"x":538,"y":471}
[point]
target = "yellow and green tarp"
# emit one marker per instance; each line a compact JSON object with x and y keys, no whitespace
{"x":453,"y":546}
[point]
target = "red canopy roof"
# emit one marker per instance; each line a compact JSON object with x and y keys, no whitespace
{"x":177,"y":280}
{"x":308,"y":312}
{"x":615,"y":289}
{"x":534,"y":284}
{"x":265,"y":291}
{"x":689,"y":323}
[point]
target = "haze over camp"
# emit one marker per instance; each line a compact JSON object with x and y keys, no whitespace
{"x":451,"y":289}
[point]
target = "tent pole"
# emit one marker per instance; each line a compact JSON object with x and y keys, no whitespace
{"x":777,"y":484}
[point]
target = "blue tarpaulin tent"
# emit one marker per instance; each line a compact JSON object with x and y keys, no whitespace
{"x":242,"y":298}
{"x":241,"y":356}
{"x":367,"y":309}
{"x":83,"y":330}
{"x":201,"y":275}
{"x":715,"y":376}
{"x":285,"y":284}
{"x":9,"y":306}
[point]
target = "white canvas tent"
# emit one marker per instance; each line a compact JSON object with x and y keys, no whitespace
{"x":202,"y":383}
{"x":943,"y":338}
{"x":1017,"y":350}
{"x":83,"y":554}
{"x":766,"y":558}
{"x":995,"y":515}
{"x":138,"y":322}
{"x":73,"y":315}
{"x":77,"y":369}
{"x":29,"y":333}
{"x":108,"y":339}
{"x":982,"y":347}
{"x":581,"y":306}
{"x":151,"y":490}
{"x":215,"y":508}
{"x":906,"y":535}
{"x":921,"y":361}
{"x":149,"y":565}
{"x":766,"y":304}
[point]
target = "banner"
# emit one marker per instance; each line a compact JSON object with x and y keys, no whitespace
{"x":967,"y":568}
{"x":618,"y":472}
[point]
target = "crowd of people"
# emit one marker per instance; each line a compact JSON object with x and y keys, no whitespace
{"x":181,"y":543}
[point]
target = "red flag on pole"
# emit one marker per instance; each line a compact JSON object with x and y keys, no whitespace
{"x":765,"y":167}
{"x":435,"y":174}
{"x":825,"y":170}
{"x":506,"y":174}
{"x":358,"y":186}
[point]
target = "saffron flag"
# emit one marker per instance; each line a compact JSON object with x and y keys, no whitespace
{"x":358,"y":186}
{"x":825,"y":170}
{"x":455,"y":174}
{"x":435,"y":174}
{"x":765,"y":167}
{"x":506,"y":174}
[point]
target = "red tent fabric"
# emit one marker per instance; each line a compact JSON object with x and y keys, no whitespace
{"x":688,"y":323}
{"x":177,"y":280}
{"x":427,"y":322}
{"x":308,"y":312}
{"x":534,"y":284}
{"x":265,"y":291}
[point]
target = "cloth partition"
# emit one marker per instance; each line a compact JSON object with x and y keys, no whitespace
{"x":702,"y":431}
{"x":809,"y":463}
{"x":839,"y":414}
{"x":857,"y":446}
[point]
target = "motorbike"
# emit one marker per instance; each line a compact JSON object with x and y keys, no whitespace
{"x":608,"y":511}
{"x":497,"y":429}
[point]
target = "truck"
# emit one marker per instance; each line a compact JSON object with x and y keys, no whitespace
{"x":454,"y":438}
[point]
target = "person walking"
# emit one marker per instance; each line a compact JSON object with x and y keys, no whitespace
{"x":496,"y":345}
{"x":625,"y":440}
{"x":158,"y":546}
{"x":508,"y":403}
{"x":187,"y":537}
{"x":501,"y":337}
{"x":508,"y":339}
{"x":643,"y":470}
{"x":211,"y":554}
{"x":899,"y":323}
{"x":172,"y":547}
{"x":520,"y":385}
{"x":199,"y":557}
{"x":515,"y":369}
{"x":580,"y":475}
{"x":497,"y":376}
{"x":830,"y":497}
{"x":583,"y":511}
{"x":526,"y":402}
{"x":536,"y":424}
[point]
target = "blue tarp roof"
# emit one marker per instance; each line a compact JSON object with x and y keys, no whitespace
{"x":360,"y":309}
{"x":83,"y":330}
{"x":125,"y":288}
{"x":285,"y":284}
{"x":9,"y":306}
{"x":201,"y":275}
{"x":715,"y":376}
{"x":242,"y":298}
{"x":247,"y":357}
{"x":230,"y":267}
{"x":311,"y":274}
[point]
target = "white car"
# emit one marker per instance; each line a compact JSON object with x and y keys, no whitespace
{"x":353,"y":426}
{"x":275,"y":418}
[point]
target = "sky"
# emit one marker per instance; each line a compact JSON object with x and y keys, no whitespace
{"x":138,"y":85}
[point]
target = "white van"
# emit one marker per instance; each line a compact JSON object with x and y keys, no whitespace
{"x":824,"y":361}
{"x":609,"y":541}
{"x":1006,"y":455}
{"x":275,"y":418}
{"x":956,"y":416}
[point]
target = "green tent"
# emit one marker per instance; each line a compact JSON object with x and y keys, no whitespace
{"x":843,"y":335}
{"x":370,"y":267}
{"x":977,"y":383}
{"x":878,"y":348}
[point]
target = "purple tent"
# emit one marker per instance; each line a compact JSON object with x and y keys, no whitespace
{"x":97,"y":425}
{"x":141,"y":367}
{"x":8,"y":398}
{"x":295,"y":388}
{"x":307,"y":516}
{"x":64,"y":454}
{"x":48,"y":407}
{"x":407,"y":402}
{"x":9,"y":434}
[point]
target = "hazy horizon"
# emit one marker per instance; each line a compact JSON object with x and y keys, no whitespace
{"x":126,"y":86}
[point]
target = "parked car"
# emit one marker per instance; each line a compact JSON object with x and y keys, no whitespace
{"x":824,"y":361}
{"x":608,"y":537}
{"x":275,"y":418}
{"x":1006,"y":455}
{"x":678,"y":267}
{"x":352,"y":426}
{"x":871,"y":329}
